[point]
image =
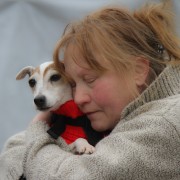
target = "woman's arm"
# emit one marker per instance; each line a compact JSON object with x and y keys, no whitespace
{"x":12,"y":156}
{"x":13,"y":152}
{"x":145,"y":148}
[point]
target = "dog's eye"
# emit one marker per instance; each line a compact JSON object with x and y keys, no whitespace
{"x":55,"y":77}
{"x":32,"y":83}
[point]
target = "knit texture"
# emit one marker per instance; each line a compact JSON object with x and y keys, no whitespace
{"x":144,"y":145}
{"x":12,"y":156}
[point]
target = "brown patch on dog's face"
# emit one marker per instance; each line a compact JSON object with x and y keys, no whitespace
{"x":51,"y":66}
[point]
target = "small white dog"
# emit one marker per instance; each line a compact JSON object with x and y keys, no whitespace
{"x":50,"y":92}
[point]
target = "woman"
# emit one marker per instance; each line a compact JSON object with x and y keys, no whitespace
{"x":124,"y":69}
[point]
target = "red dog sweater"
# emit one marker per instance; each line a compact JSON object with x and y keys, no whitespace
{"x":69,"y":112}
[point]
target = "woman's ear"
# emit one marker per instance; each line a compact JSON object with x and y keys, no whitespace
{"x":141,"y":71}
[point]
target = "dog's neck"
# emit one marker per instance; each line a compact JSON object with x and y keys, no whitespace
{"x":69,"y":109}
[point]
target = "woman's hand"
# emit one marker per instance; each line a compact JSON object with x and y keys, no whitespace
{"x":42,"y":116}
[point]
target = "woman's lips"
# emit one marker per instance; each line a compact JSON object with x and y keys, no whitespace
{"x":91,"y":113}
{"x":88,"y":114}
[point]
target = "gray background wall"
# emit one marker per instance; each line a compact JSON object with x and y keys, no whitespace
{"x":29,"y":30}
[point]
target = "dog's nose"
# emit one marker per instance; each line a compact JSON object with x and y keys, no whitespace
{"x":40,"y":101}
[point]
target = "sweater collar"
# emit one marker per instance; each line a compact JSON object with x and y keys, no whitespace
{"x":166,"y":84}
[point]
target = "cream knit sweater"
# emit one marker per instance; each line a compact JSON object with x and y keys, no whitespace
{"x":145,"y":144}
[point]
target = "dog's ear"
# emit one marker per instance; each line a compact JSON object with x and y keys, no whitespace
{"x":23,"y":72}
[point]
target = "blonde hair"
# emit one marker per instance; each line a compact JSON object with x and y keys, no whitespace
{"x":117,"y":35}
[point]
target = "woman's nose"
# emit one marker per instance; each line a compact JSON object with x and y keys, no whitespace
{"x":81,"y":96}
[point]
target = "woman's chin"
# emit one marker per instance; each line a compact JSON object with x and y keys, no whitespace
{"x":98,"y":127}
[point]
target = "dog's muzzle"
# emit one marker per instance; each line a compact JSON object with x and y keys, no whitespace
{"x":40,"y":102}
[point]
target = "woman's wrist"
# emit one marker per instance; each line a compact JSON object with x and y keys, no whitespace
{"x":42,"y":116}
{"x":36,"y":130}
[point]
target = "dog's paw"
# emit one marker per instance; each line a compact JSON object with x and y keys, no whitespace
{"x":81,"y":146}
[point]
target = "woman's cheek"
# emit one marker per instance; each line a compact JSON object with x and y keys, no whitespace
{"x":101,"y":94}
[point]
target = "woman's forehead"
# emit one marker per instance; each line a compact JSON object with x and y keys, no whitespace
{"x":97,"y":61}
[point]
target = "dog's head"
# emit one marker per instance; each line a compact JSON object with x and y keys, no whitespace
{"x":49,"y":89}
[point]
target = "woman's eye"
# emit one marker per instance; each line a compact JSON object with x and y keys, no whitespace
{"x":89,"y":80}
{"x":32,"y":83}
{"x":55,"y":77}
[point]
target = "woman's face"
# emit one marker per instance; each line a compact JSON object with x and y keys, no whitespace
{"x":101,"y":97}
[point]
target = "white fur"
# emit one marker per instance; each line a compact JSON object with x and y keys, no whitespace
{"x":56,"y":94}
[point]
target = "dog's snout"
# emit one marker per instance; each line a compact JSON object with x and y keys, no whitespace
{"x":40,"y":101}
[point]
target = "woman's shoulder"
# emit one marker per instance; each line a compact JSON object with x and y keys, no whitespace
{"x":157,"y":117}
{"x":172,"y":115}
{"x":167,"y":108}
{"x":161,"y":107}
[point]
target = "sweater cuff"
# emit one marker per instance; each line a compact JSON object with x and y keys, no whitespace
{"x":37,"y":130}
